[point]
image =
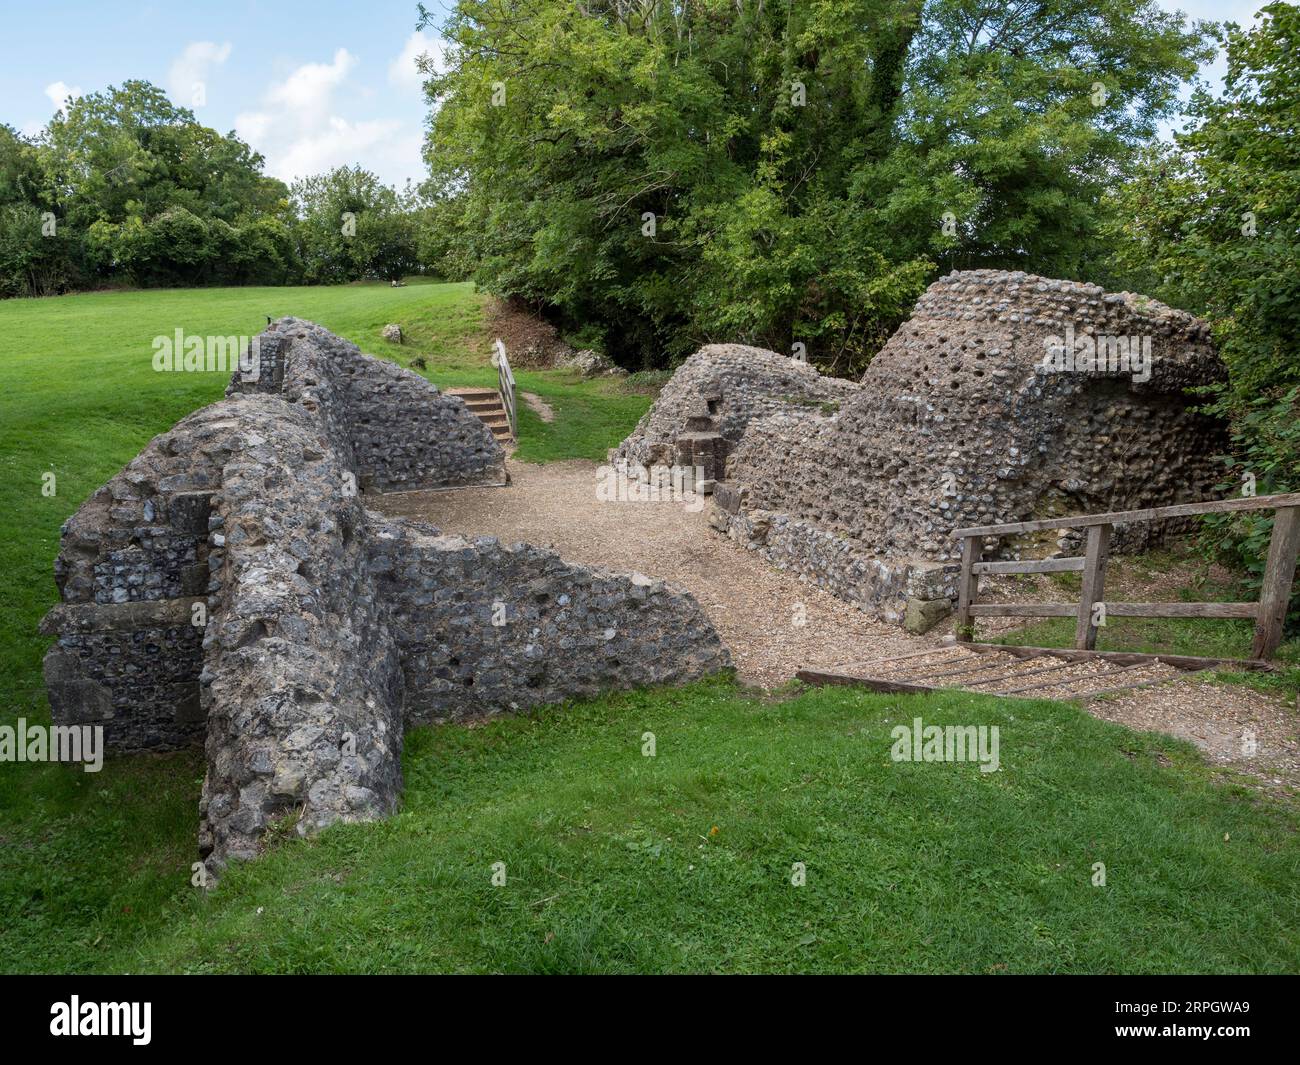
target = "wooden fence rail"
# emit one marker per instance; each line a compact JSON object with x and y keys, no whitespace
{"x":1269,"y":612}
{"x":506,"y":386}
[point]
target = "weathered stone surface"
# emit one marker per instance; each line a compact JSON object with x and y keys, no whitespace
{"x":857,"y":487}
{"x":589,"y":364}
{"x":924,"y":614}
{"x":484,"y":627}
{"x":228,"y":585}
{"x":302,"y":685}
{"x":392,"y":333}
{"x":720,"y":390}
{"x":397,"y":431}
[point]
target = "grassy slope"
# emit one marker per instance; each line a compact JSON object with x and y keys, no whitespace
{"x":909,"y":867}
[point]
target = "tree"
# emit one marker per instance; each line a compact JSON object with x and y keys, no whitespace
{"x":352,"y":226}
{"x":780,"y":170}
{"x":1212,"y":224}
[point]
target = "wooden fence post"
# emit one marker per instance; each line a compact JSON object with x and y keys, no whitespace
{"x":1094,"y":585}
{"x":1278,"y":573}
{"x":968,"y":585}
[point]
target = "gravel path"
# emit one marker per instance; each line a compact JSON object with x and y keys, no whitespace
{"x":776,"y":624}
{"x":756,"y":609}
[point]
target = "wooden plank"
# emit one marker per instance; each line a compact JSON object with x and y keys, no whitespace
{"x":820,"y":677}
{"x":1038,"y":565}
{"x":1120,"y":517}
{"x":1026,"y":673}
{"x":896,"y":658}
{"x":1044,"y":684}
{"x":1024,"y":610}
{"x":1193,"y":662}
{"x":1279,"y":572}
{"x":1118,"y":610}
{"x":1182,"y":610}
{"x":968,"y":584}
{"x":1139,"y":684}
{"x":1096,"y":555}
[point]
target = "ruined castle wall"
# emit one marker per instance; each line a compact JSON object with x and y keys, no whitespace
{"x":228,"y":585}
{"x":398,"y":431}
{"x":132,"y":566}
{"x":720,"y":390}
{"x":958,"y":422}
{"x":302,"y":684}
{"x":484,"y":627}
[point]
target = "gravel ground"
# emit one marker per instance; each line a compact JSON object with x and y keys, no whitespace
{"x":755,"y":608}
{"x":776,"y":624}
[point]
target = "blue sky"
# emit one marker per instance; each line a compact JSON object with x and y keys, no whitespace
{"x":309,"y":85}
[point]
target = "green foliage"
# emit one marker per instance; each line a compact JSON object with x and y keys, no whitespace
{"x":352,"y":226}
{"x":797,"y":158}
{"x":1212,"y":224}
{"x":141,"y":193}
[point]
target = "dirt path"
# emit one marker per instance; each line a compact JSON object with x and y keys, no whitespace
{"x":776,"y":624}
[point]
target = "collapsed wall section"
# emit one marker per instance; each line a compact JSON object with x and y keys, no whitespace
{"x":707,"y":406}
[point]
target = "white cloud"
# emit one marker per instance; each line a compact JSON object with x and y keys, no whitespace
{"x":59,"y":91}
{"x":403,"y":71}
{"x":193,"y":67}
{"x":300,"y":132}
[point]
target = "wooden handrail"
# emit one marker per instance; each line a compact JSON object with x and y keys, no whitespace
{"x":1269,"y":613}
{"x":506,"y":386}
{"x":1122,"y":517}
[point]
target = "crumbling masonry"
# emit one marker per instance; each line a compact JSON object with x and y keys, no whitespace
{"x":957,"y":422}
{"x":230,"y":587}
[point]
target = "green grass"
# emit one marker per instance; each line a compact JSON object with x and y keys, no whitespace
{"x":616,"y":862}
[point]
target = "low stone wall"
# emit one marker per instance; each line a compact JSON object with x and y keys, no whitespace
{"x":229,"y":586}
{"x":956,"y":422}
{"x":483,"y":626}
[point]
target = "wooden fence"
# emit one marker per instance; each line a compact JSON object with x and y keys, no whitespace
{"x":1269,"y":612}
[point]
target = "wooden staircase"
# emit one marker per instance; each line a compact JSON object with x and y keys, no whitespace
{"x":486,"y":404}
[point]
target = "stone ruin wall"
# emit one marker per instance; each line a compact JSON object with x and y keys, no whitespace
{"x":229,"y":587}
{"x":955,"y":423}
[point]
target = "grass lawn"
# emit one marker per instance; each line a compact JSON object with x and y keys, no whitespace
{"x":614,"y":861}
{"x":617,"y":862}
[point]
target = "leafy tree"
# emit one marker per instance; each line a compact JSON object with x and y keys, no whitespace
{"x":780,"y":170}
{"x":352,"y":226}
{"x":1212,"y":223}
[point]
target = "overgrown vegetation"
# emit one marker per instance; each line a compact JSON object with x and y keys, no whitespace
{"x":1211,"y":223}
{"x":124,"y":187}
